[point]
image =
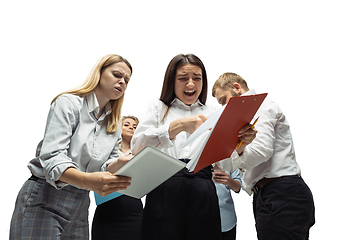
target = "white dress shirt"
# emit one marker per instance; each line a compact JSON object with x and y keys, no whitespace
{"x":151,"y":131}
{"x":271,"y":154}
{"x":74,"y":137}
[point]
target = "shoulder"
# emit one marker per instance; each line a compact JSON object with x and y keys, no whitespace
{"x":156,"y":105}
{"x":72,"y":99}
{"x":271,"y":107}
{"x":269,"y":100}
{"x":211,"y":107}
{"x":157,"y":102}
{"x":208,"y":109}
{"x":68,"y":103}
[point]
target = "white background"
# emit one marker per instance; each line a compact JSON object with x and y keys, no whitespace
{"x":305,"y":54}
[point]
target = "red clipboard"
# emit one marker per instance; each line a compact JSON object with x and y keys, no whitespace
{"x":238,"y":112}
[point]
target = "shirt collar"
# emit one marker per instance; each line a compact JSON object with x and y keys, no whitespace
{"x":177,"y":102}
{"x":128,"y":152}
{"x":250,"y":92}
{"x":93,"y":104}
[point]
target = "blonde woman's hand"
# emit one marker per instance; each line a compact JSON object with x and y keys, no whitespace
{"x":102,"y":183}
{"x":105,"y":183}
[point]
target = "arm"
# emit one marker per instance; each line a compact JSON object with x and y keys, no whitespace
{"x":102,"y":183}
{"x":226,"y":179}
{"x":246,"y":135}
{"x":261,"y":149}
{"x":114,"y":166}
{"x":59,"y":169}
{"x":188,"y":124}
{"x":152,"y":132}
{"x":272,"y":123}
{"x":52,"y":156}
{"x":234,"y":185}
{"x":239,"y":155}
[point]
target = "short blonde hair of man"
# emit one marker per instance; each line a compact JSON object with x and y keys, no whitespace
{"x":92,"y":81}
{"x":226,"y":81}
{"x":131,"y":117}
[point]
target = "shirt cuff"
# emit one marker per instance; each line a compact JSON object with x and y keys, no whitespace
{"x":103,"y":168}
{"x":54,"y":175}
{"x":240,"y":160}
{"x":164,"y":136}
{"x":233,"y":162}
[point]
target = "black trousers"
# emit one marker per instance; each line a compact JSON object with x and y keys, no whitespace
{"x":229,"y":235}
{"x":119,"y":218}
{"x":185,"y":207}
{"x":284,"y":209}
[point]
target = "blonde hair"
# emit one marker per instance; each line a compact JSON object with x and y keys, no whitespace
{"x":92,"y":81}
{"x":131,"y":117}
{"x":227,"y":80}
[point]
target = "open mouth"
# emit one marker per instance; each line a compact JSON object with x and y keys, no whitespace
{"x":119,"y":89}
{"x":189,"y":93}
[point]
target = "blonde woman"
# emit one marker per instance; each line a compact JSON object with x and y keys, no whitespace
{"x":120,"y":217}
{"x":78,"y":153}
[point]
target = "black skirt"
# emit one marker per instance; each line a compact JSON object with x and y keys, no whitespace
{"x":119,"y":218}
{"x":184,"y":207}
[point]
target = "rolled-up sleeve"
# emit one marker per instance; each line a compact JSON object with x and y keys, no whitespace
{"x":59,"y":127}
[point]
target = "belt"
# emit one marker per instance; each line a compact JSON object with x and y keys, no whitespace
{"x":262,"y":182}
{"x":204,"y":173}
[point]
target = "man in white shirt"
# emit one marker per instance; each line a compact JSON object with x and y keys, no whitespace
{"x":283,"y":203}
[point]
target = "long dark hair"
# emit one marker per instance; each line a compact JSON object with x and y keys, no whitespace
{"x":168,"y":89}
